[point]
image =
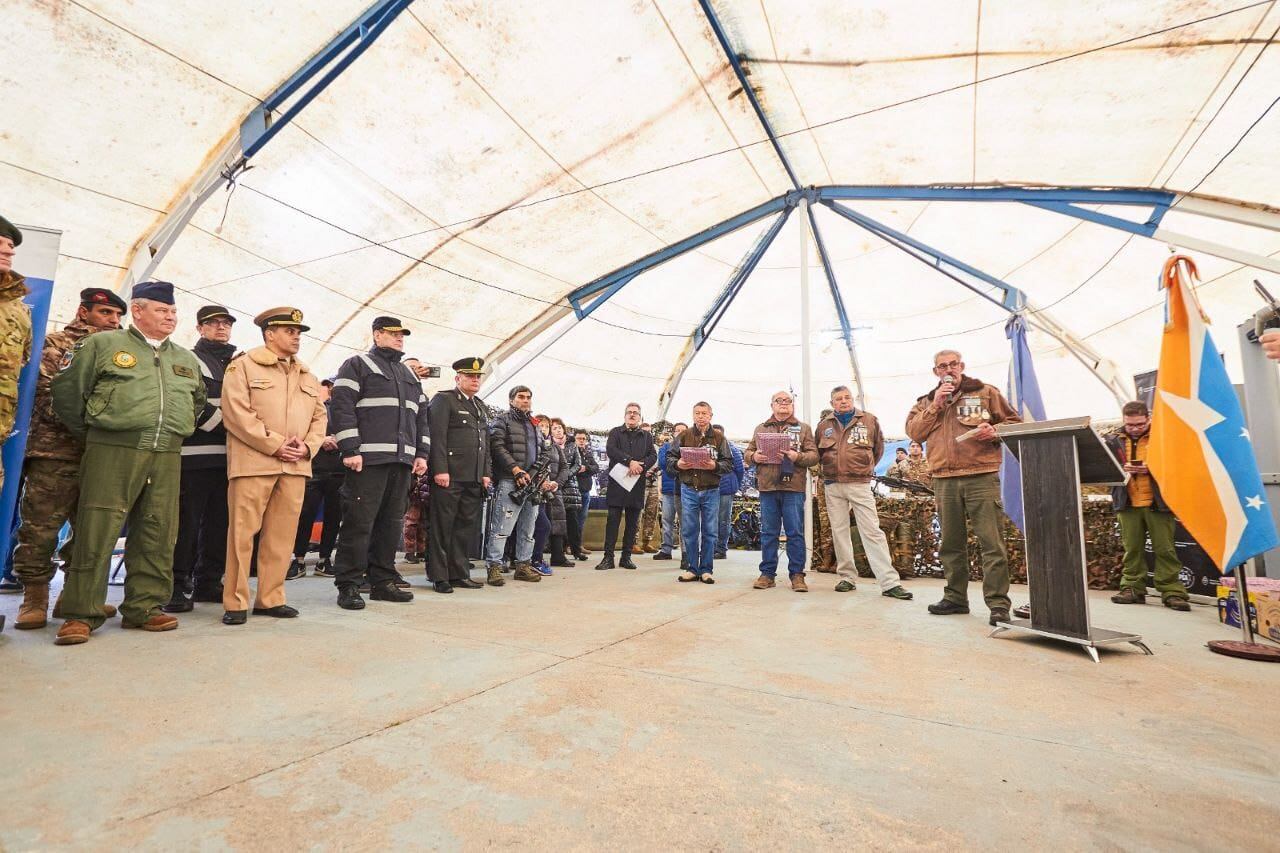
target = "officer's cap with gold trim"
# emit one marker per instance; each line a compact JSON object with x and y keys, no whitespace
{"x":389,"y":324}
{"x":282,"y":316}
{"x":471,"y":365}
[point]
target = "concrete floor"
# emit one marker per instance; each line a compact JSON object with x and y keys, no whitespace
{"x":622,"y":710}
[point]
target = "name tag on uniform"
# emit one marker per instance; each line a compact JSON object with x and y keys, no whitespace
{"x":184,"y":371}
{"x":259,"y":383}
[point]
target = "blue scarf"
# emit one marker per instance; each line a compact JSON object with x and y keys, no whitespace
{"x":846,"y":418}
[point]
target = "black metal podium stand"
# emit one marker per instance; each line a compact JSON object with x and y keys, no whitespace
{"x":1057,"y":456}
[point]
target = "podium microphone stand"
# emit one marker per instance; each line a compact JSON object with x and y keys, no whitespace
{"x":1057,"y":457}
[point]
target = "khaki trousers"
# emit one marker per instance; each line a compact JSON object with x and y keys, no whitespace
{"x":269,"y":504}
{"x":842,"y":497}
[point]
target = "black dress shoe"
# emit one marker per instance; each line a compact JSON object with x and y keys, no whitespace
{"x":235,"y":617}
{"x":467,"y":583}
{"x":442,"y":586}
{"x":581,"y":557}
{"x":388,"y":591}
{"x":280,"y":611}
{"x":349,"y":598}
{"x":178,"y":604}
{"x":605,"y":563}
{"x":947,"y":608}
{"x":412,"y":558}
{"x":625,"y":562}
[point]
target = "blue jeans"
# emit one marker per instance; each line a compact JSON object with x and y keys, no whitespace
{"x":724,"y":523}
{"x":781,"y":510}
{"x":670,"y":513}
{"x":508,"y":516}
{"x":698,"y":514}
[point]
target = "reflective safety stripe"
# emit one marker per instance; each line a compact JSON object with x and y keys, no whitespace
{"x":373,"y":365}
{"x":345,"y":434}
{"x":411,"y":405}
{"x":205,"y":450}
{"x":204,"y":369}
{"x":379,"y":448}
{"x":376,"y":401}
{"x":214,"y":420}
{"x":347,"y":383}
{"x":214,"y":401}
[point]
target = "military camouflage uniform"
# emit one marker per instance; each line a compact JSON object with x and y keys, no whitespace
{"x":649,"y":520}
{"x":915,"y":470}
{"x":824,"y":554}
{"x":52,"y":468}
{"x":15,"y":348}
{"x":416,"y":517}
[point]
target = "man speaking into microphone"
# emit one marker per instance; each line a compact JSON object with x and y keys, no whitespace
{"x":956,"y":423}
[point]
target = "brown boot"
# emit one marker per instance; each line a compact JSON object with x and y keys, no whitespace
{"x":35,"y":607}
{"x":495,"y":576}
{"x":159,"y":622}
{"x":1129,"y":596}
{"x":72,"y":633}
{"x":764,"y":582}
{"x":526,"y":572}
{"x":108,"y":610}
{"x":798,"y":584}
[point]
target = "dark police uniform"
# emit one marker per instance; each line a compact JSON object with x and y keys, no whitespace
{"x":459,"y":448}
{"x":199,"y":557}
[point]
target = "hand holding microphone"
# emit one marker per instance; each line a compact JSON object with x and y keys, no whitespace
{"x":942,"y":396}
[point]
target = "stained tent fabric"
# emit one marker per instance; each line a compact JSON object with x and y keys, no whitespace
{"x":480,"y":161}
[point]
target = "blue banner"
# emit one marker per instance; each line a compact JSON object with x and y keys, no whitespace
{"x":1024,"y":395}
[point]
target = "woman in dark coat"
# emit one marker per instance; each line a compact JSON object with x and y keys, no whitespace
{"x":632,"y":448}
{"x":568,"y":491}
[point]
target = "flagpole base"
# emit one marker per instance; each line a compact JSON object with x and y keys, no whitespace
{"x":1247,"y":651}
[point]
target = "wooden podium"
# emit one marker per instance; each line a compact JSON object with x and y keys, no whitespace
{"x":1057,"y":457}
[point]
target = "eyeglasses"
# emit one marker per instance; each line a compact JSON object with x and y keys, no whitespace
{"x":947,"y":365}
{"x":784,"y":400}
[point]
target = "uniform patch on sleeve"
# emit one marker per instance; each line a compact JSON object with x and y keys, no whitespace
{"x":124,"y":359}
{"x":65,"y":362}
{"x":184,"y":371}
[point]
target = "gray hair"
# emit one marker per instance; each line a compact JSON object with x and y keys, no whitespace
{"x":943,"y":352}
{"x":836,"y":390}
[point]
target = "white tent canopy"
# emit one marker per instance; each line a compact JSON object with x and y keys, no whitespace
{"x":479,"y":162}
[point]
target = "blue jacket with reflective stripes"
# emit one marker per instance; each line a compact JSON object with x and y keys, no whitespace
{"x":378,"y":409}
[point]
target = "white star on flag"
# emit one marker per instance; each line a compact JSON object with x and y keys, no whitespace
{"x":1254,"y":502}
{"x":1244,"y":433}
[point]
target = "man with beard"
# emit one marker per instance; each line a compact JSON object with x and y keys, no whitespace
{"x":631,"y":447}
{"x":518,"y":449}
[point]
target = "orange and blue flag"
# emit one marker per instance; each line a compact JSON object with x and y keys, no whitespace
{"x":1200,"y":450}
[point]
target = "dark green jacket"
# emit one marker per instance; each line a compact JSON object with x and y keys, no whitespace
{"x":115,"y":389}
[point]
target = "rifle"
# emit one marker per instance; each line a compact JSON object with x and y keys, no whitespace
{"x":538,"y":475}
{"x":905,"y":485}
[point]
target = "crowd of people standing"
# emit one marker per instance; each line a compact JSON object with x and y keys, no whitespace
{"x":216,"y":462}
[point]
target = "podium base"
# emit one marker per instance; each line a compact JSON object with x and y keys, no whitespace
{"x":1097,"y":636}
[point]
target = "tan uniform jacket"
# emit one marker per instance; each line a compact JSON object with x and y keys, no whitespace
{"x":937,"y":429}
{"x":849,"y":454}
{"x":264,"y":401}
{"x":47,"y":436}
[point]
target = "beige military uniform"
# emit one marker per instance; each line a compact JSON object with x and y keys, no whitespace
{"x":265,"y":400}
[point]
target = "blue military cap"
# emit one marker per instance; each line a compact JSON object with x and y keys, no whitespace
{"x":156,"y":291}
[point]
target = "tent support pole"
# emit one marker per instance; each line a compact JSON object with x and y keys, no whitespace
{"x":808,"y":411}
{"x":702,"y":332}
{"x":846,"y":330}
{"x":1013,"y":300}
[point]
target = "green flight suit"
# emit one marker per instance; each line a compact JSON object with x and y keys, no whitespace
{"x":133,"y":405}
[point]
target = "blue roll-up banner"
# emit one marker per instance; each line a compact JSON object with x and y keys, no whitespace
{"x":37,"y":259}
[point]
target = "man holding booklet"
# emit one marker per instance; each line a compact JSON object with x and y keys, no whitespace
{"x":698,"y":458}
{"x":782,"y":450}
{"x":631,"y":452}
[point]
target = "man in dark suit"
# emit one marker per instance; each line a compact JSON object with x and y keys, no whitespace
{"x":631,"y":447}
{"x":460,"y":475}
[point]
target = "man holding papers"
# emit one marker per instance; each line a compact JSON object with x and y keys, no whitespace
{"x":631,"y":452}
{"x":782,"y":450}
{"x":699,"y":457}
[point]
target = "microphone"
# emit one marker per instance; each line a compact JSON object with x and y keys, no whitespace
{"x":949,"y":384}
